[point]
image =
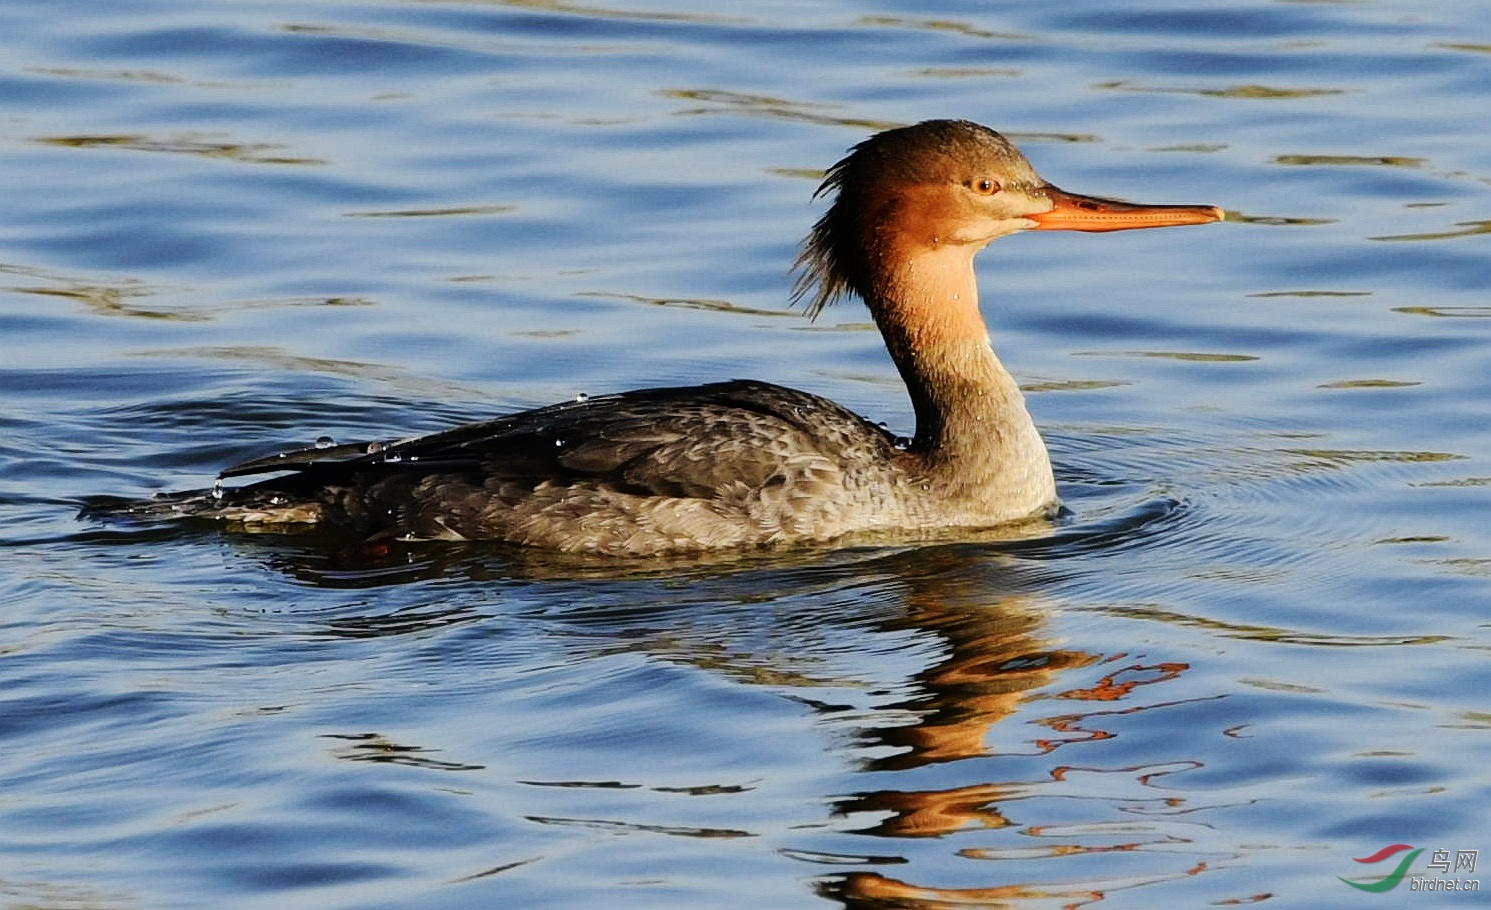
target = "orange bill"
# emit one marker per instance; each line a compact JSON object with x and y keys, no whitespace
{"x":1072,"y":212}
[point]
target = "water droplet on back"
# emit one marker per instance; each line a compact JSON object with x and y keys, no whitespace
{"x":325,"y":442}
{"x":582,"y":397}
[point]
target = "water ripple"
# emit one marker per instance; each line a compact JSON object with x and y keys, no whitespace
{"x":231,"y":229}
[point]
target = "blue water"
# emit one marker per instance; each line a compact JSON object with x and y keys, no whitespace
{"x":1256,"y":649}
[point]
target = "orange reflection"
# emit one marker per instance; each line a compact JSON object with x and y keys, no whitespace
{"x":931,"y":813}
{"x":872,"y":891}
{"x":995,"y":657}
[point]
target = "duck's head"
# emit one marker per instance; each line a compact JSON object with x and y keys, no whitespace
{"x":939,"y":183}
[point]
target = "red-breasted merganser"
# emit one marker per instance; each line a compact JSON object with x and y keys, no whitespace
{"x":747,"y":464}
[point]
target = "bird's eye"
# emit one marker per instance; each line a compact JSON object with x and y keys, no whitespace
{"x":986,"y":187}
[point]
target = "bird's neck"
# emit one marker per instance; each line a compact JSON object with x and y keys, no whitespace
{"x":972,"y":427}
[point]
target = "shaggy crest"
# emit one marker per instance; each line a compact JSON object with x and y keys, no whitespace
{"x":833,"y":262}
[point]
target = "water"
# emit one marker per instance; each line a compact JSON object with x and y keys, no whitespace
{"x":1256,"y":649}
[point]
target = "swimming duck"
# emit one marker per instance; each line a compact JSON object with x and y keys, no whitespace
{"x":747,"y":464}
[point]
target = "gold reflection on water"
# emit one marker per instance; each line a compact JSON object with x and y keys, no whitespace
{"x":1073,"y":385}
{"x":495,"y":870}
{"x":604,"y":824}
{"x":1335,"y":458}
{"x":119,"y":298}
{"x":1472,"y":566}
{"x":941,"y":25}
{"x":688,"y":303}
{"x":1313,"y":294}
{"x":1350,"y":160}
{"x":799,"y":173}
{"x":184,"y":144}
{"x":1237,"y":91}
{"x":1453,"y":312}
{"x":1277,"y":220}
{"x":373,"y":747}
{"x":1016,"y":136}
{"x":113,"y":300}
{"x":110,"y":300}
{"x":767,"y":106}
{"x":277,"y":357}
{"x":1460,"y":482}
{"x":1278,"y":634}
{"x":1471,"y":48}
{"x":1201,"y":147}
{"x":966,"y":72}
{"x":150,"y":76}
{"x":1466,"y":229}
{"x":1264,"y":91}
{"x":1369,"y":384}
{"x":592,"y":11}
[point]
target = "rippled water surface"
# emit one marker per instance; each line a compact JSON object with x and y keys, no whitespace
{"x":1256,"y":649}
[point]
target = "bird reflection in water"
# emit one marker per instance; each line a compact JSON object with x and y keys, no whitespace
{"x":981,"y":611}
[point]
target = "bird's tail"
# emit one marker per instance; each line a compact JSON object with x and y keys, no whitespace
{"x":256,"y":504}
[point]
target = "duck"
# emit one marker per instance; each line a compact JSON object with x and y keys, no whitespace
{"x":745,"y":464}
